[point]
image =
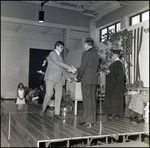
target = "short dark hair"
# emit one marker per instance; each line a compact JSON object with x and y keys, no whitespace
{"x":89,"y":41}
{"x":59,"y":43}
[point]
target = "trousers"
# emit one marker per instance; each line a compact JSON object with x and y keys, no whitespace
{"x":89,"y":102}
{"x":50,"y":85}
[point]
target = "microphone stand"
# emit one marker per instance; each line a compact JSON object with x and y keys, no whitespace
{"x":100,"y":94}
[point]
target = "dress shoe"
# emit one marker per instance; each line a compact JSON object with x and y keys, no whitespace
{"x":109,"y":116}
{"x":41,"y":112}
{"x":140,"y":120}
{"x":88,"y":125}
{"x":58,"y":117}
{"x":133,"y":118}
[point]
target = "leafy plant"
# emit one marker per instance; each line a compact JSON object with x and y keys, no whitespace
{"x":66,"y":101}
{"x":121,"y":40}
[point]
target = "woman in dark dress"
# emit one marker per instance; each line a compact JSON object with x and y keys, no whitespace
{"x":113,"y":104}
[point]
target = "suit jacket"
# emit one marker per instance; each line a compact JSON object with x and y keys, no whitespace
{"x":87,"y":72}
{"x":56,"y":68}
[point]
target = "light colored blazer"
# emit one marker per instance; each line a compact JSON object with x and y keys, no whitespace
{"x":56,"y":68}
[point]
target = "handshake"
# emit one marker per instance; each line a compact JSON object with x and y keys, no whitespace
{"x":72,"y":69}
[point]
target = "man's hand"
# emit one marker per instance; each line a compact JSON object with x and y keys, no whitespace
{"x":75,"y":79}
{"x":44,"y":62}
{"x":106,"y":72}
{"x":41,"y":72}
{"x":70,"y":80}
{"x":74,"y":68}
{"x":71,"y":69}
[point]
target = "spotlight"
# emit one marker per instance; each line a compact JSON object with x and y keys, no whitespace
{"x":41,"y":16}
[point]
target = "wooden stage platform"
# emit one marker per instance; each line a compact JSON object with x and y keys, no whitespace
{"x":26,"y":128}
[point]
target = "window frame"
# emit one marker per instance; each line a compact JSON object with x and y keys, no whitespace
{"x":140,"y":14}
{"x":100,"y":40}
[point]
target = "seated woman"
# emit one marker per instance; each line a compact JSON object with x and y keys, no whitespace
{"x":137,"y":105}
{"x":20,"y":94}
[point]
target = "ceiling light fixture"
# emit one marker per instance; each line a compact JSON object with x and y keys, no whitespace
{"x":41,"y":13}
{"x":41,"y":16}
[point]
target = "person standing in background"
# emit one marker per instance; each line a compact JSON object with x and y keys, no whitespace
{"x":87,"y":74}
{"x":113,"y":104}
{"x":41,"y":77}
{"x":55,"y":76}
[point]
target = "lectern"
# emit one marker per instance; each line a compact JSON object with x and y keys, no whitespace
{"x":75,"y":89}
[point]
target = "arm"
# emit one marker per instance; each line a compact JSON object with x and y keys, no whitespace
{"x":81,"y":69}
{"x":60,"y":63}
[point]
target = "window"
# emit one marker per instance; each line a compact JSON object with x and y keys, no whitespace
{"x":145,"y":16}
{"x":139,"y":18}
{"x":104,"y":33}
{"x":136,"y":19}
{"x":118,"y":27}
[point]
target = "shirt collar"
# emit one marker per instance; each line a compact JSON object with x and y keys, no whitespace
{"x":117,"y":59}
{"x":57,"y":52}
{"x":89,"y":48}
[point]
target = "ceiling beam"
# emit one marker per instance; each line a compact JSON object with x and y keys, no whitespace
{"x":104,"y":11}
{"x":94,"y":5}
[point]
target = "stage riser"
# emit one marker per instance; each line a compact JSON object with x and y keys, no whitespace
{"x":23,"y":137}
{"x":14,"y":141}
{"x":28,"y":128}
{"x":4,"y":126}
{"x":22,"y":133}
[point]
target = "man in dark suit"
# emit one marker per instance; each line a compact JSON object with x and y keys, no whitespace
{"x":87,"y":74}
{"x":55,"y":76}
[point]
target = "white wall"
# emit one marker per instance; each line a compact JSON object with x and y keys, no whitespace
{"x":73,"y":56}
{"x":15,"y":47}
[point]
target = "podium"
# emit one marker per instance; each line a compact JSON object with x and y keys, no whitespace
{"x":75,"y":89}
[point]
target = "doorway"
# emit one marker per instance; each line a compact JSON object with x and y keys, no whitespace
{"x":36,"y":58}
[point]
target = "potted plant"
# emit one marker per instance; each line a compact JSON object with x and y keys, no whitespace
{"x":66,"y":102}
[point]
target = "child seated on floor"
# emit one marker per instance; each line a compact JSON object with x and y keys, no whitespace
{"x":20,"y":95}
{"x":137,"y":105}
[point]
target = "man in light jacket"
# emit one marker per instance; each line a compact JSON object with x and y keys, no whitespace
{"x":55,"y":76}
